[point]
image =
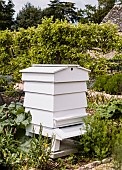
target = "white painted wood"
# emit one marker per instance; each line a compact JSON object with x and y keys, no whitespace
{"x":39,"y":87}
{"x":55,"y":96}
{"x":55,"y":145}
{"x":67,"y":146}
{"x":68,"y":113}
{"x":55,"y":103}
{"x":51,"y":120}
{"x":70,"y":101}
{"x":38,"y":77}
{"x":59,"y":133}
{"x":60,"y":65}
{"x":44,"y":69}
{"x":55,"y":73}
{"x":39,"y":101}
{"x":67,"y":121}
{"x":45,"y":118}
{"x":71,"y":74}
{"x":70,"y":87}
{"x":55,"y":65}
{"x":54,"y":88}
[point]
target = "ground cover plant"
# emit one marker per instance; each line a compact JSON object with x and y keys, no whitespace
{"x":16,"y":150}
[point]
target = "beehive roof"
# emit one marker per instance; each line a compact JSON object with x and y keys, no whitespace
{"x":50,"y":68}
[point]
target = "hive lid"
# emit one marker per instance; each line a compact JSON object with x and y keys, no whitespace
{"x":50,"y":68}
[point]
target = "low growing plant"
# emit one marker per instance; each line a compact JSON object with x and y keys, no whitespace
{"x":117,"y":151}
{"x":112,"y":110}
{"x":99,"y":138}
{"x":39,"y":152}
{"x":14,"y":154}
{"x":14,"y":118}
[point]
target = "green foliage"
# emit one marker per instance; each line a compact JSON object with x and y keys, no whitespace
{"x":6,"y":52}
{"x":96,"y":13}
{"x":15,"y":152}
{"x":6,"y":14}
{"x":115,"y":64}
{"x":103,"y":130}
{"x":29,"y":16}
{"x":99,"y":138}
{"x":15,"y":155}
{"x":13,"y":118}
{"x":112,"y":110}
{"x":39,"y":152}
{"x":3,"y":83}
{"x":10,"y":154}
{"x":111,"y":84}
{"x":13,"y":121}
{"x":117,"y":152}
{"x":114,"y":84}
{"x":100,"y":82}
{"x":61,"y":10}
{"x":55,"y":43}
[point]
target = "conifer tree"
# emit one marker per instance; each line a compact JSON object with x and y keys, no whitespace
{"x":6,"y":14}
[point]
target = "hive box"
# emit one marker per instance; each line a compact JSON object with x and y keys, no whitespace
{"x":56,"y":97}
{"x":55,"y":94}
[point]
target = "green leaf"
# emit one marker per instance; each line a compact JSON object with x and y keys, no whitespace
{"x":20,"y":118}
{"x":2,"y":107}
{"x":25,"y":122}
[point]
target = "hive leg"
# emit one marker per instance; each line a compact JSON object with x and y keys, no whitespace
{"x":55,"y":145}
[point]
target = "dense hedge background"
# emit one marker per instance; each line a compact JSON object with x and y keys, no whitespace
{"x":57,"y":42}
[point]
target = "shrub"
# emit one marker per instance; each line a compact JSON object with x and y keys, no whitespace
{"x":55,"y":43}
{"x":111,"y":84}
{"x":99,"y":137}
{"x":114,"y":84}
{"x":3,"y":84}
{"x":10,"y":153}
{"x":100,"y":82}
{"x":103,"y":130}
{"x":117,"y":152}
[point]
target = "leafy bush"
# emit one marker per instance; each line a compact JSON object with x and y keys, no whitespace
{"x":13,"y":118}
{"x":111,"y":84}
{"x":13,"y":121}
{"x":112,"y":110}
{"x":100,"y":82}
{"x":15,"y":155}
{"x":117,"y":152}
{"x":17,"y":151}
{"x":3,"y":84}
{"x":114,"y":84}
{"x":10,"y":154}
{"x":55,"y":42}
{"x":102,"y":130}
{"x":99,"y":138}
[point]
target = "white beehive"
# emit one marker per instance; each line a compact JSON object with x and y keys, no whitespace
{"x":56,"y":97}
